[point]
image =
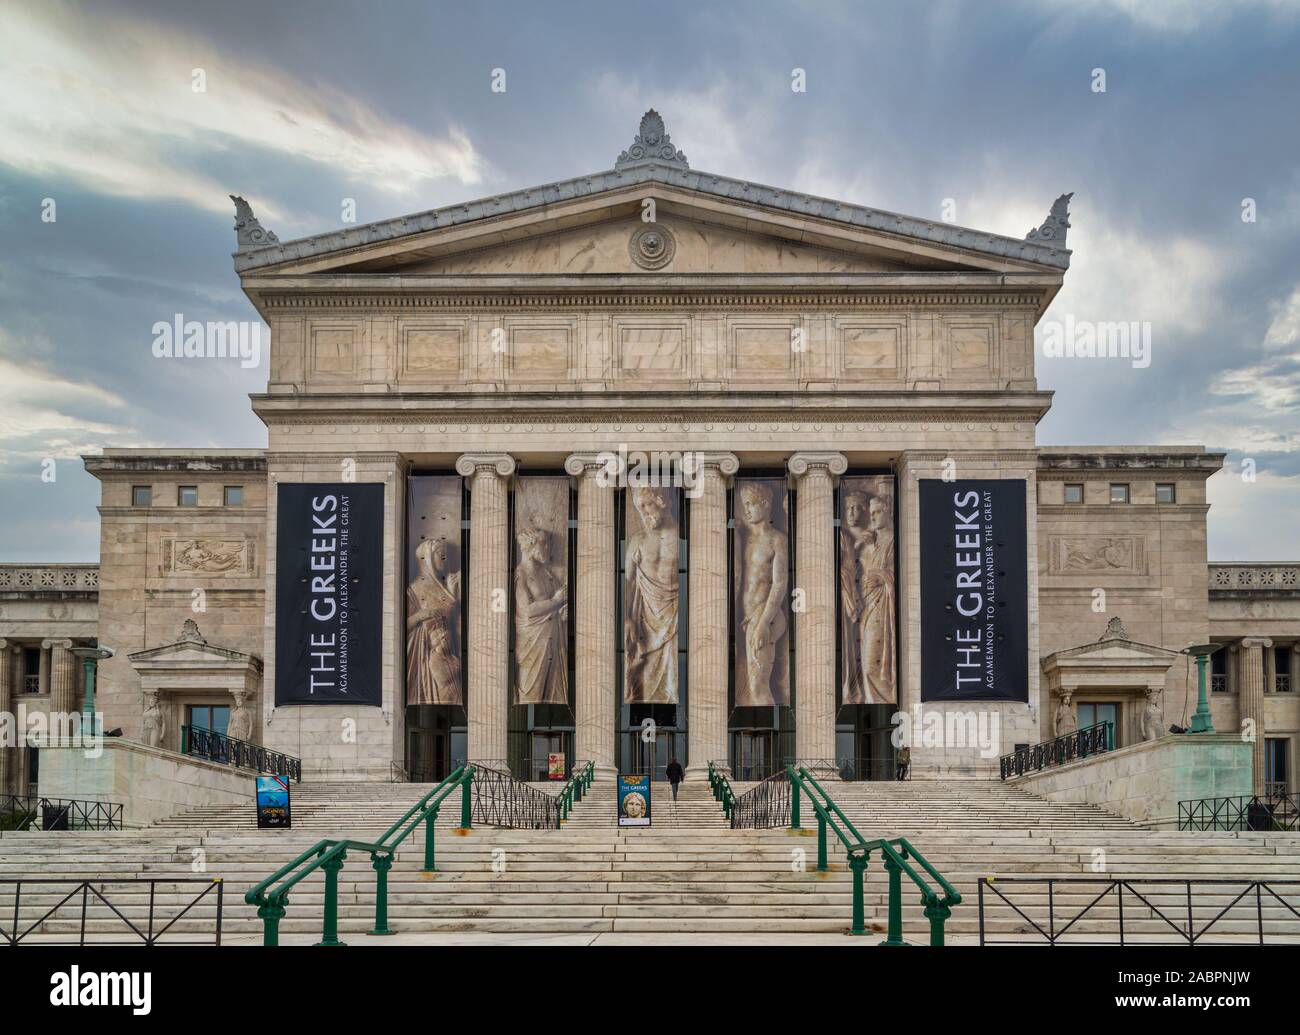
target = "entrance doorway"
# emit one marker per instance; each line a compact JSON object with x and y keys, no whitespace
{"x":876,"y":754}
{"x":652,"y":755}
{"x":545,"y":744}
{"x":426,"y":755}
{"x":754,"y":754}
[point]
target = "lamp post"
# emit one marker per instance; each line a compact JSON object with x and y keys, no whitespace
{"x":1201,"y":721}
{"x":90,"y":658}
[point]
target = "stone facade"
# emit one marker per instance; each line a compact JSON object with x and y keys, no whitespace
{"x":770,"y":334}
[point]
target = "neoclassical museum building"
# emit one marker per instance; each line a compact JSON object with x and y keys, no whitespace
{"x":647,"y":464}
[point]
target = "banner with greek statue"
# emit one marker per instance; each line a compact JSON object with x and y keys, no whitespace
{"x":541,"y":591}
{"x":761,"y":553}
{"x":433,"y":591}
{"x":869,"y":603}
{"x":651,"y":595}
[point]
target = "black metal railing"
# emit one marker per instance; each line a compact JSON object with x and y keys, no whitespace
{"x":1090,"y":740}
{"x":1277,"y":810}
{"x":29,"y":812}
{"x":502,"y":801}
{"x":88,"y":896}
{"x":1218,"y":684}
{"x":1115,"y":911}
{"x":764,"y":806}
{"x":211,"y":746}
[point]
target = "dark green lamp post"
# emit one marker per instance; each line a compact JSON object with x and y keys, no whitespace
{"x":90,"y":658}
{"x":1201,"y":721}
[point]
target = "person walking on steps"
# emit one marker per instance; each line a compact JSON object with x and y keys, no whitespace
{"x":674,"y":774}
{"x":904,"y":760}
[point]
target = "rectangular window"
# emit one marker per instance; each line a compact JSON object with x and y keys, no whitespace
{"x":1283,"y":679}
{"x":1165,"y":492}
{"x":141,"y":495}
{"x":1119,"y":492}
{"x":1219,"y":670}
{"x":31,"y":670}
{"x":1074,"y":492}
{"x":214,"y":717}
{"x":1093,"y":713}
{"x":1275,"y":765}
{"x":187,"y":496}
{"x":234,"y":495}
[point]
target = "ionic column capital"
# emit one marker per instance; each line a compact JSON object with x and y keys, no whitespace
{"x":48,"y":644}
{"x":832,"y":464}
{"x":474,"y":464}
{"x":579,"y":464}
{"x":725,"y":464}
{"x":1256,"y":641}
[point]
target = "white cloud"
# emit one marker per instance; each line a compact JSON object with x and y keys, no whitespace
{"x":1173,"y":16}
{"x":107,"y":101}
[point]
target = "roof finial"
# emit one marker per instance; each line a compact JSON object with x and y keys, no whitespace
{"x":1052,"y":232}
{"x":1114,"y":631}
{"x":249,"y":233}
{"x":652,"y":144}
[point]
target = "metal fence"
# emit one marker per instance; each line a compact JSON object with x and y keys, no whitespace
{"x":29,"y":812}
{"x":1114,"y":911}
{"x":1277,"y":810}
{"x":198,"y":742}
{"x":1091,"y":740}
{"x":502,"y":801}
{"x":764,"y":806}
{"x":97,"y":913}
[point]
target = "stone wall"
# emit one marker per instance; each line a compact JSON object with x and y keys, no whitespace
{"x":152,"y":784}
{"x":1146,"y":782}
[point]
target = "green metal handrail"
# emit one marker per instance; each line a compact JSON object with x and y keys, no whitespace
{"x":576,"y":786}
{"x":329,"y":855}
{"x":721,"y":788}
{"x":895,"y":853}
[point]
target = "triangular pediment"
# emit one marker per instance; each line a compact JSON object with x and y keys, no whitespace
{"x":717,"y":226}
{"x":191,"y":651}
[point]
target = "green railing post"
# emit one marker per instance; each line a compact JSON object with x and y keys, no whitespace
{"x":821,"y":842}
{"x":270,"y":913}
{"x":795,"y":824}
{"x":466,"y":808}
{"x":894,"y":935}
{"x":429,"y":821}
{"x":937,"y":913}
{"x":330,"y":934}
{"x":382,"y":864}
{"x":858,"y":864}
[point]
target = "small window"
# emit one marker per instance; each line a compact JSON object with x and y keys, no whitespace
{"x":234,"y":495}
{"x":1165,"y":492}
{"x":187,"y":496}
{"x":1119,"y":492}
{"x":141,"y":495}
{"x":1074,"y":492}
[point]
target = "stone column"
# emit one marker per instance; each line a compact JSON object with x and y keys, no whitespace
{"x":708,"y":587}
{"x":63,"y":677}
{"x":43,"y":671}
{"x":6,"y":707}
{"x":488,"y":688}
{"x":1252,"y":699}
{"x":595,"y":700}
{"x":814,"y":627}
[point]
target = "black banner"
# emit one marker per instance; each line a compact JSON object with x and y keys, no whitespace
{"x":974,"y":591}
{"x":329,"y":575}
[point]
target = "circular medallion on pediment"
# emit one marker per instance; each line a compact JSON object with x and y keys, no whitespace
{"x":652,"y":247}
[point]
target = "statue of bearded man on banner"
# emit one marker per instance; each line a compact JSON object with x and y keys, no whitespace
{"x":650,"y":601}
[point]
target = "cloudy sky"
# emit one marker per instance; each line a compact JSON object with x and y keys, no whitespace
{"x":994,"y":105}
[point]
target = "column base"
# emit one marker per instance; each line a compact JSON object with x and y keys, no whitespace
{"x":605,"y":771}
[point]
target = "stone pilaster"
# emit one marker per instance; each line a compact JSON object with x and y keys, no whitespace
{"x":6,"y":707}
{"x":488,"y":689}
{"x":1252,"y":699}
{"x":63,"y":677}
{"x":595,"y":703}
{"x":708,"y":587}
{"x":814,"y":626}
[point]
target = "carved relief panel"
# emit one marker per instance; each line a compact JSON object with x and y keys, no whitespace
{"x":541,"y":590}
{"x":762,"y":592}
{"x":868,"y":597}
{"x":434,"y":589}
{"x":651,"y":595}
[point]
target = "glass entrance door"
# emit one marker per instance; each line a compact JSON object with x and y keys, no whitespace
{"x":1092,"y":713}
{"x":426,"y":755}
{"x":652,"y":755}
{"x":544,"y":745}
{"x":754,"y":754}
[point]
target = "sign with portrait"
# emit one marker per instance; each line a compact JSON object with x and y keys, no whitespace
{"x":634,"y":800}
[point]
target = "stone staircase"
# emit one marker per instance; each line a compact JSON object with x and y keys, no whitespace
{"x":689,"y":873}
